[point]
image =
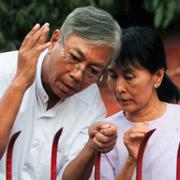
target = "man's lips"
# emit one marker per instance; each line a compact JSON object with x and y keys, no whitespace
{"x":69,"y":86}
{"x":66,"y":88}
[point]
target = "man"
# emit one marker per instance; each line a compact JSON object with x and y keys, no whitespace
{"x":59,"y":92}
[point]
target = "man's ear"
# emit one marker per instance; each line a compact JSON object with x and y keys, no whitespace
{"x":54,"y":38}
{"x":158,"y":77}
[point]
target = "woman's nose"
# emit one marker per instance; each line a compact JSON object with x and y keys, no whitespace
{"x":120,"y":85}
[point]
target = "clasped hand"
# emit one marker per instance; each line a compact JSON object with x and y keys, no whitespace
{"x":102,"y":136}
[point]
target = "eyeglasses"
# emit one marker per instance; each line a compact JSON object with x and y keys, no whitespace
{"x":92,"y":72}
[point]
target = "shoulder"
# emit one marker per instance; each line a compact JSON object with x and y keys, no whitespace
{"x":8,"y":56}
{"x":90,"y":96}
{"x":117,"y":118}
{"x":173,"y":114}
{"x":173,"y":107}
{"x":8,"y":62}
{"x":8,"y":66}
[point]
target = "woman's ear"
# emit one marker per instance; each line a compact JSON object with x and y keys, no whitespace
{"x":158,"y":77}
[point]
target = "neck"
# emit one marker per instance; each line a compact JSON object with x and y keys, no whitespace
{"x":53,"y":99}
{"x":51,"y":104}
{"x":153,"y":110}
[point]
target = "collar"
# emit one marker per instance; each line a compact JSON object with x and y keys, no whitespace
{"x":41,"y":93}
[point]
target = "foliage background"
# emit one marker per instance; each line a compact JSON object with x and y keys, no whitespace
{"x":18,"y":16}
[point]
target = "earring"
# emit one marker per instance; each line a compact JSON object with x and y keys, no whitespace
{"x":156,"y":86}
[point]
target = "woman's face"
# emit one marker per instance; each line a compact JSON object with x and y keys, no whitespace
{"x":133,"y":88}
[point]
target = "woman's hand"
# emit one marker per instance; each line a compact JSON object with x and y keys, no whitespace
{"x":133,"y":138}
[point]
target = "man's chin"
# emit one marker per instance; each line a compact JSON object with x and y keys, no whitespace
{"x":64,"y":95}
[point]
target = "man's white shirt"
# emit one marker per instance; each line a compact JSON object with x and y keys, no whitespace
{"x":32,"y":150}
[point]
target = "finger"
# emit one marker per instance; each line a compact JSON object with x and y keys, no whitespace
{"x":136,"y":135}
{"x":34,"y":29}
{"x":36,"y":51}
{"x":142,"y":124}
{"x":142,"y":128}
{"x":92,"y":133}
{"x":106,"y":126}
{"x":97,"y":126}
{"x":146,"y":122}
{"x":111,"y":131}
{"x":31,"y":33}
{"x":44,"y":35}
{"x":138,"y":131}
{"x":34,"y":39}
{"x":42,"y":47}
{"x":100,"y":145}
{"x":105,"y":150}
{"x":104,"y":139}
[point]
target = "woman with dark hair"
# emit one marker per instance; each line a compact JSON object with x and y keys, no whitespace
{"x":139,"y":82}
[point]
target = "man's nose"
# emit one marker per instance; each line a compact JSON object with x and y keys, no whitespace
{"x":78,"y":73}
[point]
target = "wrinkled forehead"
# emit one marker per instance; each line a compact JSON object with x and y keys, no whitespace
{"x":93,"y":42}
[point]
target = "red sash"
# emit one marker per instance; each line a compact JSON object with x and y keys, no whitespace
{"x":9,"y":155}
{"x":54,"y":154}
{"x":97,"y":166}
{"x":140,"y":154}
{"x":53,"y":157}
{"x":178,"y":164}
{"x":97,"y":157}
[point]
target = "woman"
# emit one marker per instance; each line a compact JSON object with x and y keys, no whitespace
{"x":138,"y":80}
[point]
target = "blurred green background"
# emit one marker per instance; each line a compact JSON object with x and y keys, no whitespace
{"x":18,"y":16}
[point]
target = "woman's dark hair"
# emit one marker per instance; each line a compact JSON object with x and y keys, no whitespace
{"x":168,"y":91}
{"x":143,"y":47}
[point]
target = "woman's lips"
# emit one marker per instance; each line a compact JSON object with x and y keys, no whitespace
{"x":124,"y":101}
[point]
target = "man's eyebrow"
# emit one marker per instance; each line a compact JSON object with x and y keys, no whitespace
{"x":78,"y":50}
{"x":101,"y":65}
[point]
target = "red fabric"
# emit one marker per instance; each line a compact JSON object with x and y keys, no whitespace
{"x":9,"y":155}
{"x":178,"y":164}
{"x":140,"y":154}
{"x":54,"y":154}
{"x":97,"y":166}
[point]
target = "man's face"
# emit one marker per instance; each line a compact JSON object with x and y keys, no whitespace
{"x":73,"y":65}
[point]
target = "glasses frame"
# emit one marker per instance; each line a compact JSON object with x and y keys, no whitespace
{"x":77,"y":66}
